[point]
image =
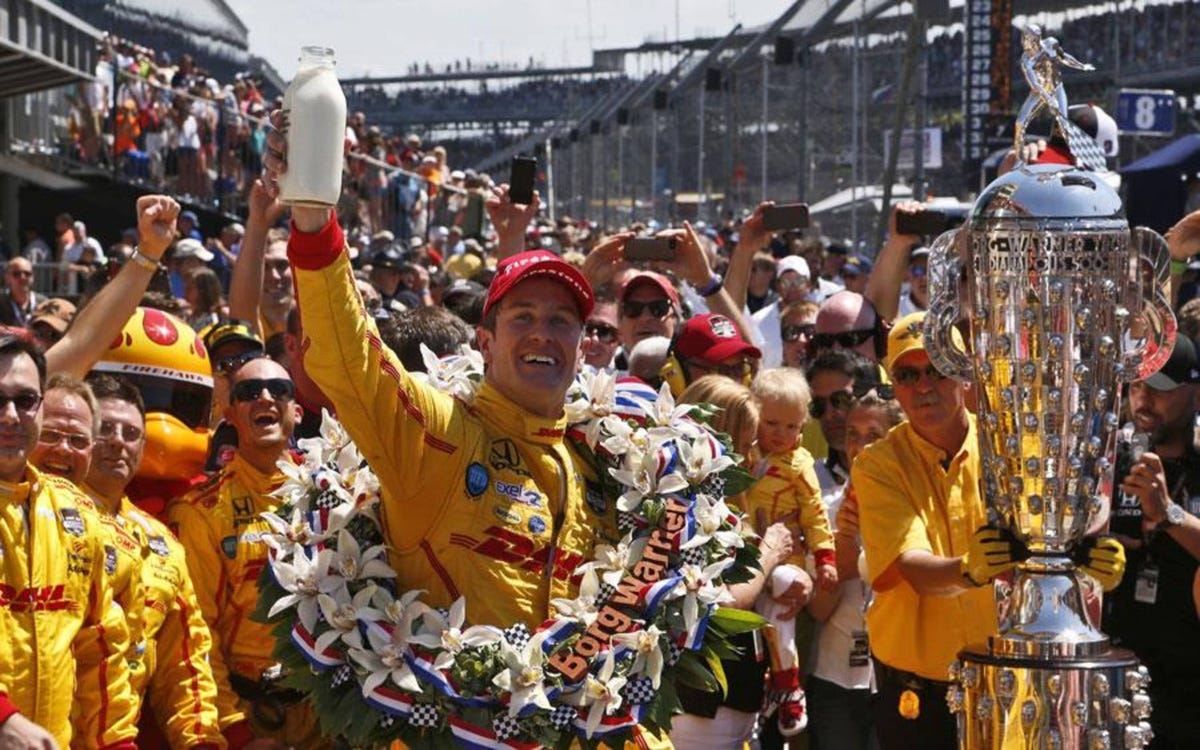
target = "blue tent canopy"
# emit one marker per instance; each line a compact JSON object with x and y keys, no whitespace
{"x":1156,"y":184}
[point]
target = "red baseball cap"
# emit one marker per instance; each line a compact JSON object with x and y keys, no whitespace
{"x":656,"y":280}
{"x":516,"y":268}
{"x":712,"y":339}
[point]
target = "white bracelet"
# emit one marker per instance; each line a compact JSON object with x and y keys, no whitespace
{"x":145,"y":262}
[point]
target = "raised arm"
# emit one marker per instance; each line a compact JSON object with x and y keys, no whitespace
{"x":883,"y":285}
{"x":245,"y":284}
{"x":751,"y":239}
{"x":691,"y":265}
{"x":100,"y":322}
{"x":510,"y":220}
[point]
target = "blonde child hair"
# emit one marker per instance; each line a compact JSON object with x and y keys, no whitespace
{"x":783,"y":385}
{"x":738,"y":408}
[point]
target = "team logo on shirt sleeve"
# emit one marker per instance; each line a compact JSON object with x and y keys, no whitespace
{"x":158,"y":546}
{"x":476,"y":479}
{"x":110,"y":559}
{"x":72,"y":522}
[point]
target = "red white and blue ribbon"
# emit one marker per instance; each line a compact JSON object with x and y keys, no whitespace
{"x":306,"y":644}
{"x":478,"y":738}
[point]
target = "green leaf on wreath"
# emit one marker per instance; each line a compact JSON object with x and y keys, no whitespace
{"x":694,"y":674}
{"x":737,"y":480}
{"x":718,"y":671}
{"x":733,"y":621}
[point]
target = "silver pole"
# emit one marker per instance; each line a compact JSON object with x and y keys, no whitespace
{"x":854,"y":69}
{"x":766,"y":77}
{"x":653,"y":163}
{"x":620,"y":170}
{"x":550,"y":178}
{"x":700,"y":158}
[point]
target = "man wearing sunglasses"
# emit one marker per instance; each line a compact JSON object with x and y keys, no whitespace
{"x":74,"y":685}
{"x":18,"y":301}
{"x":710,"y":344}
{"x":835,"y":378}
{"x":847,"y":320}
{"x":929,"y":553}
{"x":649,"y":306}
{"x":220,"y":527}
{"x":793,"y":282}
{"x":601,"y":335}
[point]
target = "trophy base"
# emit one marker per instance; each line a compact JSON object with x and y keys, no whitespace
{"x":1044,"y":614}
{"x":1094,"y":702}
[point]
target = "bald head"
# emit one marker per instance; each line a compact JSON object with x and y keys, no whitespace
{"x":847,"y":313}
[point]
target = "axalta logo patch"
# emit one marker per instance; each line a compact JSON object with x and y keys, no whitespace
{"x":518,"y":494}
{"x":38,"y":598}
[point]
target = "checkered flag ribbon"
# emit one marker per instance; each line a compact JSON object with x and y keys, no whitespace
{"x":517,"y":635}
{"x":693,"y":556}
{"x":505,"y":726}
{"x":424,"y":715}
{"x":1084,"y":148}
{"x":606,"y":591}
{"x":626,"y":521}
{"x":674,"y":651}
{"x":562,"y":716}
{"x":714,"y":486}
{"x":341,"y":676}
{"x":386,"y":721}
{"x":639,"y":691}
{"x":327,"y":500}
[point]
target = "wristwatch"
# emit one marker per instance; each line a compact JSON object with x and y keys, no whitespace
{"x":1174,"y":517}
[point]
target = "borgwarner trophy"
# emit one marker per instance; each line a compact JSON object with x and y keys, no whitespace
{"x":1065,"y":304}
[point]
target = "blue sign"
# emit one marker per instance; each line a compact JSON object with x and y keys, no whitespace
{"x":1146,"y":112}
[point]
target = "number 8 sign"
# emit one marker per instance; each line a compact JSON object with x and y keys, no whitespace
{"x":1146,"y":112}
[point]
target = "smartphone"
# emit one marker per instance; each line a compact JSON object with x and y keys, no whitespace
{"x":520,"y":181}
{"x":786,"y":216}
{"x":650,"y":248}
{"x":929,"y":223}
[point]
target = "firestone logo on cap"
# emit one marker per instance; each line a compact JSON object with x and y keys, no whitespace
{"x":539,"y":263}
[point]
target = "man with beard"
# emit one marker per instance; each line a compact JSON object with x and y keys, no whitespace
{"x":1153,"y":611}
{"x":220,"y":527}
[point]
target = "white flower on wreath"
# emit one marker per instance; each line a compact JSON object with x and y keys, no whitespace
{"x":697,"y":459}
{"x":646,"y":645}
{"x":341,"y":613}
{"x":287,"y":535}
{"x":592,"y":396}
{"x":711,"y":513}
{"x":585,"y":607}
{"x":601,"y":693}
{"x":697,"y":589}
{"x":305,"y":578}
{"x":611,"y":563}
{"x":456,"y":374}
{"x":386,"y":657}
{"x":354,"y":563}
{"x":640,"y":480}
{"x":446,"y":634}
{"x":622,"y":439}
{"x":664,"y":413}
{"x":523,"y":677}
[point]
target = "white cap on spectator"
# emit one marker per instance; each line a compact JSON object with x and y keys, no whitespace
{"x":190,"y":248}
{"x":793,"y":263}
{"x":458,"y":175}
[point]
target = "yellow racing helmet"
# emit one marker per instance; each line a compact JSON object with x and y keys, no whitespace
{"x":167,"y":362}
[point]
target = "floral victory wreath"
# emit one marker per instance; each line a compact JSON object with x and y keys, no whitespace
{"x":380,"y":665}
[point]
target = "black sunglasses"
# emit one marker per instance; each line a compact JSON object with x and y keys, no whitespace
{"x":231,"y":364}
{"x":793,"y":333}
{"x":839,"y":400}
{"x":251,"y":388}
{"x":606,"y":333}
{"x":845,"y":339}
{"x":906,"y":375}
{"x":658,"y":308}
{"x":25,"y":401}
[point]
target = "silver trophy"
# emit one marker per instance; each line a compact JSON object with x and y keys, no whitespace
{"x":1064,"y":304}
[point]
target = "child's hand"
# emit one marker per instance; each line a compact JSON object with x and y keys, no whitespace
{"x":827,"y":577}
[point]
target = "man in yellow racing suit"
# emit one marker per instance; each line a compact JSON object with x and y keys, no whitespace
{"x":481,"y":500}
{"x":176,"y":681}
{"x":220,"y":527}
{"x":64,"y":677}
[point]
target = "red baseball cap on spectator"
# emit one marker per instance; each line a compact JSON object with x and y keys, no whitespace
{"x":711,"y":339}
{"x":654,"y":279}
{"x":515,"y":269}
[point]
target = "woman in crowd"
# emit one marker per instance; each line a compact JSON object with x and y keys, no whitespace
{"x":202,"y":290}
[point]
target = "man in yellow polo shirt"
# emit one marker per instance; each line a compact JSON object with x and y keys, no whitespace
{"x":920,"y":506}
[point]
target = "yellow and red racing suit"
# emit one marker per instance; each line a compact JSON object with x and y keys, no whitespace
{"x":219,"y":525}
{"x":177,"y":682}
{"x":63,"y":652}
{"x":483,"y":501}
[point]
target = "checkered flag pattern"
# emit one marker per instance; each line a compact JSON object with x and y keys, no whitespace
{"x":327,"y":500}
{"x":714,"y":485}
{"x":674,"y":651}
{"x":423,"y":715}
{"x":505,"y":726}
{"x":626,"y":521}
{"x":1084,"y":148}
{"x":639,"y":691}
{"x":693,"y":556}
{"x":517,"y":635}
{"x":605,"y":592}
{"x":387,"y":721}
{"x":341,"y":676}
{"x":562,"y":716}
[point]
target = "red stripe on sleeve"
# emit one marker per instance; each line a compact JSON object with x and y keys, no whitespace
{"x":312,"y":251}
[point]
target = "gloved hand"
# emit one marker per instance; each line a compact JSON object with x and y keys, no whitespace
{"x":1103,"y":558}
{"x":991,"y":551}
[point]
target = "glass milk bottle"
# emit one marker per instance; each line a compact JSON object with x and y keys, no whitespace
{"x":315,"y":111}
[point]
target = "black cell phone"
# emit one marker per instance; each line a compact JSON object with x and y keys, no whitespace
{"x":786,"y":216}
{"x":650,"y":248}
{"x":520,"y":182}
{"x":929,"y":223}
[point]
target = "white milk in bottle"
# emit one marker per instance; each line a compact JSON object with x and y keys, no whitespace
{"x":315,"y":108}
